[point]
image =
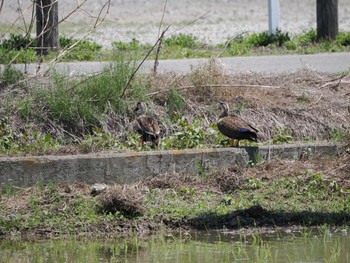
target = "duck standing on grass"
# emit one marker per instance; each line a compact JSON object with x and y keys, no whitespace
{"x":234,"y":127}
{"x":148,"y":127}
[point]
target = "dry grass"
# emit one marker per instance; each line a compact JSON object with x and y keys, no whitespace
{"x":333,"y":168}
{"x":126,"y":199}
{"x":227,"y":180}
{"x":309,"y":104}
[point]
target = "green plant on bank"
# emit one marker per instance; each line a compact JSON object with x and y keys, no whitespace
{"x":84,"y":45}
{"x":190,"y":134}
{"x":240,"y":107}
{"x":98,"y":141}
{"x":28,"y":141}
{"x":338,"y":134}
{"x":283,"y":135}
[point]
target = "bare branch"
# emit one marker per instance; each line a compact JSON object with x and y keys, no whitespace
{"x":98,"y":22}
{"x":2,"y":3}
{"x":161,"y":21}
{"x":333,"y":83}
{"x":228,"y":43}
{"x":158,"y":51}
{"x":133,"y":74}
{"x":21,"y":15}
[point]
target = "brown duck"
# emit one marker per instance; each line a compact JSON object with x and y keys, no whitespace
{"x":234,"y":127}
{"x":148,"y":127}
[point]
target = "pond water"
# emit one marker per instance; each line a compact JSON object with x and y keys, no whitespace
{"x":302,"y":246}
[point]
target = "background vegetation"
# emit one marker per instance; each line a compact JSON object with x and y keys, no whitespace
{"x":19,"y":49}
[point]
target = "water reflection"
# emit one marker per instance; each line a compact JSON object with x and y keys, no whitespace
{"x":307,"y":245}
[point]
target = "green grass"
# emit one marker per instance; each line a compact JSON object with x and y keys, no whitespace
{"x":310,"y":199}
{"x":178,"y":46}
{"x":80,"y":106}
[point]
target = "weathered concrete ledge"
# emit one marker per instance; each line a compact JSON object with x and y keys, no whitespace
{"x":131,"y":167}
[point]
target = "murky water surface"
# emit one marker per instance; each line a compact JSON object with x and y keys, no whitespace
{"x":301,"y":246}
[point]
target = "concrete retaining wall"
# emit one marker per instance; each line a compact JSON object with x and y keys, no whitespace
{"x":131,"y":167}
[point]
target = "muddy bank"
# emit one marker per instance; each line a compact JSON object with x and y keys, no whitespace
{"x":275,"y":194}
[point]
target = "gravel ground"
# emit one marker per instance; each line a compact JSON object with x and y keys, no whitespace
{"x":140,"y":19}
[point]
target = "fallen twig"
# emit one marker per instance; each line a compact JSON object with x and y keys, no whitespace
{"x":331,"y":82}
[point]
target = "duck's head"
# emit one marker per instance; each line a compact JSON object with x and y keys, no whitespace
{"x":225,"y":108}
{"x":140,"y":108}
{"x":224,"y":105}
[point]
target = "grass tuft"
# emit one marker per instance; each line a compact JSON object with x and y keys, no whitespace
{"x":127,"y":200}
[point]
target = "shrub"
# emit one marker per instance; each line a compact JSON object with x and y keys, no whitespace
{"x":10,"y":76}
{"x":238,"y":49}
{"x":307,"y":37}
{"x":343,"y":39}
{"x":134,"y":44}
{"x":84,"y":50}
{"x":18,"y":47}
{"x":282,"y":136}
{"x":182,"y":40}
{"x":190,"y":134}
{"x":80,"y":107}
{"x":84,"y":44}
{"x":16,"y":42}
{"x":264,"y":39}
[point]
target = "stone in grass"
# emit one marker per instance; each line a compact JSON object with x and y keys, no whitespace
{"x":128,"y":200}
{"x":97,"y":189}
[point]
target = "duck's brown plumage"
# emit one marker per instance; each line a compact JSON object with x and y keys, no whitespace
{"x":148,"y":127}
{"x":234,"y":127}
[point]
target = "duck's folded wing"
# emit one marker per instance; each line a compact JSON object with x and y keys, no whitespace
{"x":227,"y":126}
{"x":149,"y":125}
{"x":244,"y":126}
{"x":154,"y":124}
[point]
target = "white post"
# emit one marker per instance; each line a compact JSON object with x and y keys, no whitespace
{"x":274,"y":15}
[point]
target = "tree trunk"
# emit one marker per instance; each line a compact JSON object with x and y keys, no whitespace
{"x":327,"y":19}
{"x":47,"y":26}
